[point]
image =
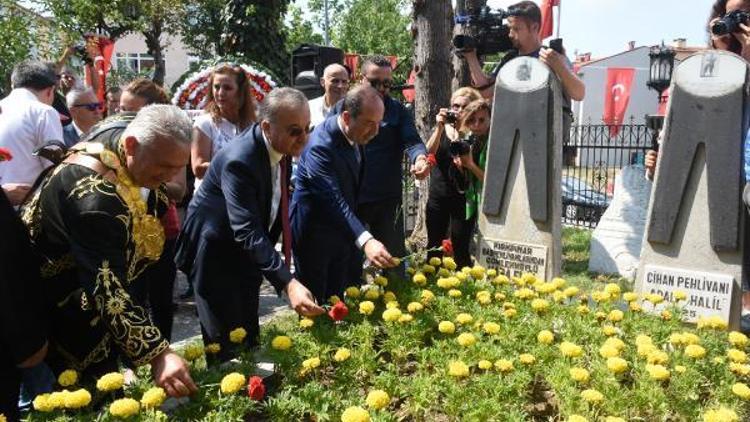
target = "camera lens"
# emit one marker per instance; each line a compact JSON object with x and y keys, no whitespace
{"x":720,"y":27}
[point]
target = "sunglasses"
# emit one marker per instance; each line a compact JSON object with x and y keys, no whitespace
{"x":90,"y":106}
{"x":377,"y":83}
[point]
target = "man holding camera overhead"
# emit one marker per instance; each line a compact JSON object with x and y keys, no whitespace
{"x":524,"y":20}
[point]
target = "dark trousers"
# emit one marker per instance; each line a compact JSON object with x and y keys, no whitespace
{"x":323,"y":261}
{"x":384,"y":220}
{"x":10,"y":382}
{"x":446,"y":217}
{"x":155,"y":289}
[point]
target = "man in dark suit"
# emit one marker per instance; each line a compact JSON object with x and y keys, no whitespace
{"x":327,"y":234}
{"x":226,"y":246}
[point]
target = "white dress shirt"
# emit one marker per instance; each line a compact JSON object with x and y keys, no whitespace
{"x":318,"y":110}
{"x":365,"y":236}
{"x":26,"y":124}
{"x":274,"y":159}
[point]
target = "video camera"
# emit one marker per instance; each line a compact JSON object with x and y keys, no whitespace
{"x":82,"y":53}
{"x":492,"y":35}
{"x":463,"y":145}
{"x":730,"y":22}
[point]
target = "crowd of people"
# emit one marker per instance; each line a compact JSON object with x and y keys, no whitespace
{"x":92,"y":239}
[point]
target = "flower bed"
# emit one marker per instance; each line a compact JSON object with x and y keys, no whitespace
{"x":470,"y":344}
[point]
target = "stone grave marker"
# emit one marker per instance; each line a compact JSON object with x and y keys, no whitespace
{"x":617,"y":240}
{"x":692,"y":241}
{"x":520,"y":217}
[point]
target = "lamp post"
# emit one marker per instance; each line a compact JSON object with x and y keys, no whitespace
{"x":660,"y":77}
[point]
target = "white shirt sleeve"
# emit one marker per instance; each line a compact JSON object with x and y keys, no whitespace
{"x":49,"y":127}
{"x":204,"y":122}
{"x":363,"y":238}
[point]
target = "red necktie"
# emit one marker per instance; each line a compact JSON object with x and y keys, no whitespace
{"x":285,"y":228}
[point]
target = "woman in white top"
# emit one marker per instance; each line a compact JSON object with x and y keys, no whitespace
{"x":230,"y":110}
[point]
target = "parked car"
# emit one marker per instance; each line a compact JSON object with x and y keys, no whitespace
{"x":580,"y":201}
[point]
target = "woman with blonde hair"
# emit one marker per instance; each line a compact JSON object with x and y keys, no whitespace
{"x":445,"y":211}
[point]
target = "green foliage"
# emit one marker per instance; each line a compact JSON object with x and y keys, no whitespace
{"x":299,"y":30}
{"x":201,"y":27}
{"x":16,"y":40}
{"x":77,"y":17}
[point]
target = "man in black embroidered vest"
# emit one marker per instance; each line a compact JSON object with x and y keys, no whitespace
{"x":95,"y":222}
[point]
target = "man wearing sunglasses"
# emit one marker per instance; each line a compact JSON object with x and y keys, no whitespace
{"x":379,"y":202}
{"x":86,"y":111}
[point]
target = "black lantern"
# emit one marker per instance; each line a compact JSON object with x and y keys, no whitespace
{"x":662,"y":64}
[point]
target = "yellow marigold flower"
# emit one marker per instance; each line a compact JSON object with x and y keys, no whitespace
{"x":477,"y":272}
{"x":464,"y":318}
{"x":213,"y":348}
{"x":570,"y":350}
{"x":644,"y":349}
{"x":372,"y":294}
{"x":608,"y":351}
{"x":657,"y":372}
{"x":558,"y":296}
{"x":442,"y":272}
{"x":232,"y":383}
{"x":428,"y":269}
{"x":677,"y":339}
{"x":391,"y":304}
{"x":739,"y":369}
{"x":458,"y":369}
{"x":334,"y":299}
{"x":153,"y":398}
{"x":352,"y":292}
{"x":680,"y":295}
{"x":460,"y":277}
{"x":192,"y":352}
{"x":484,"y":364}
{"x":446,"y":327}
{"x":690,"y":338}
{"x":737,"y":339}
{"x":491,"y":328}
{"x":583,"y":309}
{"x":501,"y":280}
{"x":577,"y":418}
{"x":466,"y":339}
{"x":526,"y":358}
{"x":405,"y":318}
{"x":559,"y":282}
{"x":444,"y":283}
{"x":380,"y":281}
{"x":410,"y":271}
{"x":42,"y":404}
{"x":695,"y":351}
{"x":499,"y":297}
{"x":281,"y":343}
{"x":419,"y":279}
{"x":306,"y":323}
{"x":592,"y":396}
{"x":391,"y":315}
{"x":579,"y":375}
{"x":389,"y":296}
{"x":435,"y":261}
{"x":77,"y":399}
{"x":657,"y":357}
{"x":524,"y":293}
{"x":615,"y":342}
{"x":427,"y":296}
{"x":617,"y":365}
{"x":654,"y":298}
{"x":539,"y":305}
{"x":110,"y":382}
{"x":571,"y":291}
{"x":630,"y":296}
{"x":454,"y":293}
{"x":484,"y":297}
{"x":237,"y":335}
{"x":609,"y":330}
{"x":504,"y":365}
{"x":714,"y":322}
{"x":615,"y":315}
{"x":600,"y":296}
{"x":718,"y":360}
{"x":635,"y":307}
{"x":680,"y":369}
{"x":508,"y":305}
{"x":666,"y":315}
{"x":741,"y":390}
{"x":721,"y":414}
{"x":414,"y":307}
{"x":600,"y":316}
{"x":57,"y":399}
{"x":545,"y":288}
{"x":366,"y":307}
{"x":124,"y":408}
{"x":643,"y":339}
{"x":378,"y":399}
{"x":355,"y":414}
{"x":449,"y":263}
{"x":737,"y":356}
{"x":311,"y":363}
{"x":67,"y":378}
{"x":342,"y":354}
{"x":545,"y":337}
{"x":614,"y":419}
{"x":510,"y":312}
{"x":613,"y":289}
{"x":529,"y":278}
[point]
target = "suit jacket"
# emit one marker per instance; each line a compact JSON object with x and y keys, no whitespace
{"x":327,"y":187}
{"x":232,"y":209}
{"x":385,"y":153}
{"x":70,"y":136}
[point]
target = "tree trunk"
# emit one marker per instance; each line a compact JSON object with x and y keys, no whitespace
{"x":463,"y":7}
{"x":433,"y":22}
{"x":156,"y":50}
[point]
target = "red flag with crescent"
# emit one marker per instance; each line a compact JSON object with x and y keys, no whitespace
{"x":545,"y":29}
{"x":617,"y":97}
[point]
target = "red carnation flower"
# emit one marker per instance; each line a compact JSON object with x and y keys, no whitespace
{"x":255,"y":388}
{"x":431,"y":160}
{"x":5,"y":154}
{"x":447,"y":247}
{"x":339,"y":311}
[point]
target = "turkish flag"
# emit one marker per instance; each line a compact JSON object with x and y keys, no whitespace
{"x":410,"y":94}
{"x":104,"y":47}
{"x":351,"y":60}
{"x":617,"y":96}
{"x":545,"y":30}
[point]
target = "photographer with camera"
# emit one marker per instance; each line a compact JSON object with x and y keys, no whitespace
{"x":524,"y":20}
{"x":446,"y":203}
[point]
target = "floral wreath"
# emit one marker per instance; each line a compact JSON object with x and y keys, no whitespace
{"x":191,"y":95}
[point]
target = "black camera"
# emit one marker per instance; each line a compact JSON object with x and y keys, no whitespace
{"x":82,"y":53}
{"x":462,"y":146}
{"x":451,"y":117}
{"x":492,"y":33}
{"x":730,"y":22}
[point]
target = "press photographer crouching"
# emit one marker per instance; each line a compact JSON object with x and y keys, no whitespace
{"x":445,"y":213}
{"x":524,"y":20}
